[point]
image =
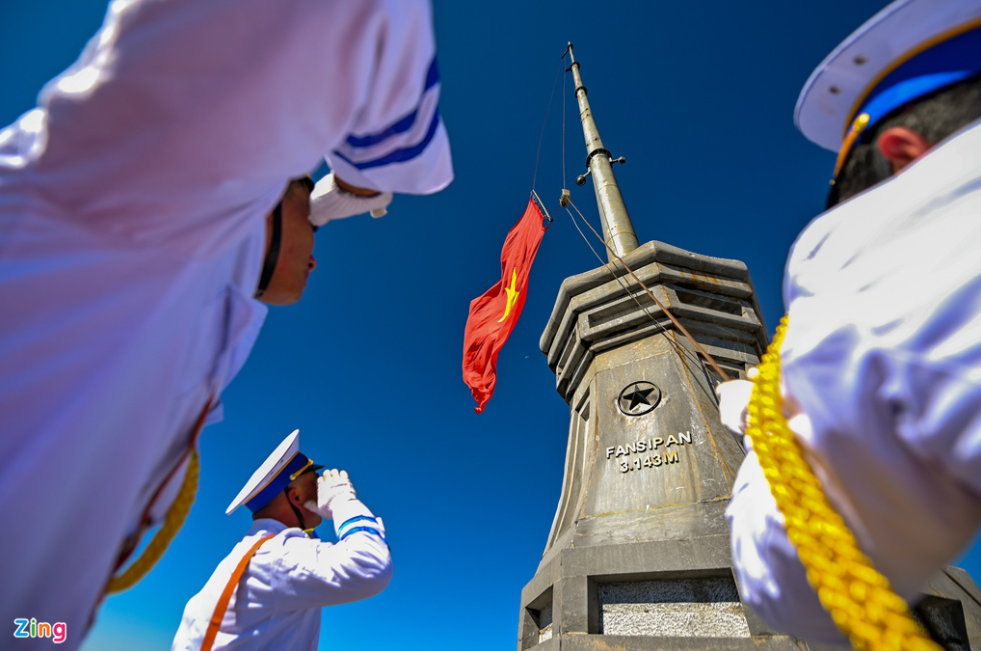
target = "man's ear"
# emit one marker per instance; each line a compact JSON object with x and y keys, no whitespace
{"x":901,"y":146}
{"x":293,"y":495}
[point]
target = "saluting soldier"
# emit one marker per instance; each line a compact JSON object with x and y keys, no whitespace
{"x":269,"y":591}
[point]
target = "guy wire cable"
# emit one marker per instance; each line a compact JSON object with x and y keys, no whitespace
{"x":718,"y":369}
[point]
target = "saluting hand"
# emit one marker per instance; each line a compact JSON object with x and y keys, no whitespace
{"x":332,"y":198}
{"x":333,"y":488}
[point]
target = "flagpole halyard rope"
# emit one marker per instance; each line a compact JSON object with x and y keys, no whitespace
{"x":860,"y":599}
{"x":718,"y":369}
{"x":586,"y":239}
{"x":683,"y":352}
{"x":541,"y":135}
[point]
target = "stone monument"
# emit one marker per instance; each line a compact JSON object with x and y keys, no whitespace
{"x":638,"y":555}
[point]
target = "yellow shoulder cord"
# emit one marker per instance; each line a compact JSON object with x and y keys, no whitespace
{"x":859,"y":598}
{"x":172,"y":523}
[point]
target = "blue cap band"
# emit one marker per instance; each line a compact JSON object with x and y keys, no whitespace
{"x":948,"y":62}
{"x":278,"y":483}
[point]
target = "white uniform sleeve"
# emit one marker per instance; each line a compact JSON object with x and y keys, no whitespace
{"x":183,"y":119}
{"x":398,"y":142}
{"x":314,"y":574}
{"x":309,"y":573}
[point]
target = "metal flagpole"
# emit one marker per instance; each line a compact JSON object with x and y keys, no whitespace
{"x":618,"y":230}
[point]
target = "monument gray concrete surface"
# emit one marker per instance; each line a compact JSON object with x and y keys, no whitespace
{"x":638,"y":555}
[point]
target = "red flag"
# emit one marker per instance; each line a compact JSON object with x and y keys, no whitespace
{"x":493,"y":315}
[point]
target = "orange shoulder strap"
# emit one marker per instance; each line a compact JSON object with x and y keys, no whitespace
{"x":226,"y":595}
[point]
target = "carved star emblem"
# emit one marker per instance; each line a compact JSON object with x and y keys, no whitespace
{"x":639,"y":398}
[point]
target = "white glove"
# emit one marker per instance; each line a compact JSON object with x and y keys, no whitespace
{"x":337,"y":501}
{"x":733,"y":399}
{"x":333,"y":488}
{"x":328,"y":201}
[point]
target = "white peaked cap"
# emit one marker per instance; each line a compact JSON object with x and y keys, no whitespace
{"x":285,"y":464}
{"x":909,"y":49}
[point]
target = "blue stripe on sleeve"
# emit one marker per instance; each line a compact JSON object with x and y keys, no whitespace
{"x":403,"y":124}
{"x":355,"y":530}
{"x":343,"y":535}
{"x":399,"y":155}
{"x":357,"y":518}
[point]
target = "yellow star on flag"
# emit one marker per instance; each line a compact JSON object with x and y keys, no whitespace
{"x":512,"y":294}
{"x":487,"y":329}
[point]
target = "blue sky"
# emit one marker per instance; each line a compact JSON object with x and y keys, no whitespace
{"x":697,"y":96}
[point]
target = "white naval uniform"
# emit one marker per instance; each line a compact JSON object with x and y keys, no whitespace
{"x":278,"y":600}
{"x":132,"y":217}
{"x":883,"y":355}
